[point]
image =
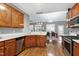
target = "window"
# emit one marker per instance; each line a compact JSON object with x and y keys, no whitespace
{"x":50,"y":27}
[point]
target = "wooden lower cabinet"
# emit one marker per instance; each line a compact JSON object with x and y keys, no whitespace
{"x":35,"y":40}
{"x":41,"y":41}
{"x":2,"y":51}
{"x":75,"y":49}
{"x":27,"y":41}
{"x":10,"y":50}
{"x":10,"y":47}
{"x":2,"y":48}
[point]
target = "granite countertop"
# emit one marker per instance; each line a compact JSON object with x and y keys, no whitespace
{"x":76,"y":40}
{"x":4,"y":37}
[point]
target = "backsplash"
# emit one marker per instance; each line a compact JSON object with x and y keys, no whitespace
{"x":10,"y":30}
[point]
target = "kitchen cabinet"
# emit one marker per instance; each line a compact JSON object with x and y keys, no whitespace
{"x":75,"y":10}
{"x":75,"y":49}
{"x":69,"y":14}
{"x":72,"y":16}
{"x":35,"y":41}
{"x":15,"y":18}
{"x":10,"y":17}
{"x":5,"y":15}
{"x":21,"y":20}
{"x":10,"y":47}
{"x":2,"y":48}
{"x":41,"y":41}
{"x":30,"y":41}
{"x":27,"y":41}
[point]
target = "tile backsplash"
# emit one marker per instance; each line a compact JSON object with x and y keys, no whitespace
{"x":10,"y":30}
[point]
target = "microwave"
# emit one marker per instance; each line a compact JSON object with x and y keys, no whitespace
{"x":75,"y":20}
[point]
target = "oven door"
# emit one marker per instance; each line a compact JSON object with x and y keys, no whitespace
{"x":68,"y":47}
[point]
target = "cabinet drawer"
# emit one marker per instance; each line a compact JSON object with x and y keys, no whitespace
{"x":10,"y":41}
{"x":1,"y":43}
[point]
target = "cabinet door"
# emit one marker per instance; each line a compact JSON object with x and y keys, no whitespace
{"x":21,"y":20}
{"x":75,"y":9}
{"x":41,"y":41}
{"x":10,"y":47}
{"x":27,"y":41}
{"x":2,"y":51}
{"x":33,"y":40}
{"x":15,"y":18}
{"x":5,"y":15}
{"x":69,"y":14}
{"x":10,"y":50}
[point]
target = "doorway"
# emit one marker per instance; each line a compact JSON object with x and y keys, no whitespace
{"x":50,"y":28}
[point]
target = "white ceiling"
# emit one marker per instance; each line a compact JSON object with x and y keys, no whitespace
{"x":33,"y":8}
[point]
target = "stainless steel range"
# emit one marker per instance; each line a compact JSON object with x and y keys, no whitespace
{"x":68,"y":50}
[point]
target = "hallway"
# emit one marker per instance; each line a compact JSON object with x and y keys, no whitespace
{"x":52,"y":49}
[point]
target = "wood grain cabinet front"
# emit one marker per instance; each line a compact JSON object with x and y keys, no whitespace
{"x":69,"y":14}
{"x":15,"y":18}
{"x":75,"y":49}
{"x":10,"y":17}
{"x":75,"y":10}
{"x":21,"y":20}
{"x":5,"y":15}
{"x":2,"y":48}
{"x":10,"y":47}
{"x":41,"y":41}
{"x":27,"y":41}
{"x":35,"y":41}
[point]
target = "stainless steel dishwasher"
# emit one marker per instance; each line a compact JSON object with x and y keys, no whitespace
{"x":19,"y":44}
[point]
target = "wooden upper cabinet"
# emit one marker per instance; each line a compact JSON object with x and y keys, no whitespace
{"x":15,"y":18}
{"x":10,"y":17}
{"x":21,"y":20}
{"x":5,"y":15}
{"x":75,"y":9}
{"x":69,"y":14}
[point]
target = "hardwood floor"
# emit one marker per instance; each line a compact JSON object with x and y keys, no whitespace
{"x":52,"y":49}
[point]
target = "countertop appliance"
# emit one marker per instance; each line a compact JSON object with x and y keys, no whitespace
{"x":75,"y":22}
